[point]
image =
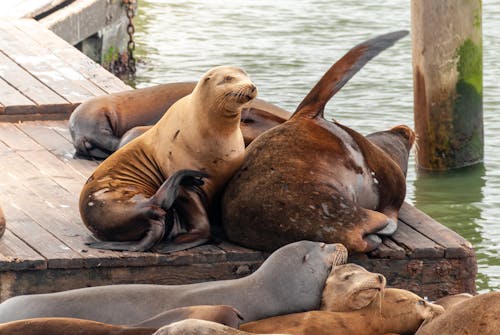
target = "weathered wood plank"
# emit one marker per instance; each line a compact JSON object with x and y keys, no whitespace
{"x":16,"y":140}
{"x":48,"y":68}
{"x":74,"y":58}
{"x":46,"y":99}
{"x":15,"y":255}
{"x":53,"y":141}
{"x":237,"y":253}
{"x":388,"y":249}
{"x":27,"y":8}
{"x":416,"y":244}
{"x":14,"y":101}
{"x":454,"y":244}
{"x":56,"y":253}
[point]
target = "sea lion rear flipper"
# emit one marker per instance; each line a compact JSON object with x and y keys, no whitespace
{"x":339,"y":74}
{"x":153,"y":235}
{"x":169,"y":190}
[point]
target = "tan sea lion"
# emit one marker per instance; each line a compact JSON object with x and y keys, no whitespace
{"x":200,"y":327}
{"x":101,"y":125}
{"x":290,"y":280}
{"x":68,"y":326}
{"x":97,"y":124}
{"x":393,"y":311}
{"x":477,"y":315}
{"x":144,"y":191}
{"x":310,"y":178}
{"x":350,"y":287}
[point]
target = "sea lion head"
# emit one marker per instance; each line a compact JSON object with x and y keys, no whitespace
{"x":226,"y":89}
{"x":403,"y":311}
{"x":92,"y":130}
{"x":351,"y":287}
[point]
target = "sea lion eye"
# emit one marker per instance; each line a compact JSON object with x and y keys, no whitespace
{"x":347,"y":277}
{"x":421,"y":302}
{"x":228,"y":78}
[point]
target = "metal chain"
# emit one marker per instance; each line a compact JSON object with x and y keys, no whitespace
{"x":130,"y":6}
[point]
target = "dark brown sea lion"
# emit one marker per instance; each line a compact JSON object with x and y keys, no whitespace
{"x":477,"y":315}
{"x":314,"y":179}
{"x":101,"y":125}
{"x":149,"y":187}
{"x":393,"y":311}
{"x":290,"y":280}
{"x":68,"y":326}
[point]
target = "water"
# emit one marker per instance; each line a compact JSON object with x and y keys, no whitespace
{"x":287,"y":45}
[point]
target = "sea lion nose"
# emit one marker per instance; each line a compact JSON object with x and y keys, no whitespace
{"x":253,"y":88}
{"x":380,"y":278}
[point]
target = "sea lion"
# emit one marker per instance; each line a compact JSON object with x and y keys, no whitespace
{"x":68,"y":326}
{"x":393,"y":311}
{"x":200,"y":327}
{"x":350,"y":287}
{"x":2,"y":222}
{"x":225,"y":315}
{"x":476,"y":315}
{"x":101,"y":125}
{"x":453,"y":299}
{"x":97,"y":124}
{"x":310,"y":178}
{"x":138,"y":194}
{"x":290,"y":280}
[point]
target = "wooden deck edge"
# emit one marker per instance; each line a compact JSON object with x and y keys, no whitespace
{"x":52,"y":280}
{"x":14,"y":118}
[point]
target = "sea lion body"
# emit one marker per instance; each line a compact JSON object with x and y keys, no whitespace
{"x":310,"y":178}
{"x":102,"y":125}
{"x":68,"y":326}
{"x":223,"y":314}
{"x":124,"y":200}
{"x":97,"y":125}
{"x":394,"y":311}
{"x":290,"y":280}
{"x":450,"y":300}
{"x":200,"y":327}
{"x":476,"y":315}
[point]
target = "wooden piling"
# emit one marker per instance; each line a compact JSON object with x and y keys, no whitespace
{"x":448,"y":88}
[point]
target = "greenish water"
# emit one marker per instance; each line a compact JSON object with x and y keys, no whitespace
{"x":286,"y":45}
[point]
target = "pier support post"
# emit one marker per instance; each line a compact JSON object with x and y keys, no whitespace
{"x":448,"y":88}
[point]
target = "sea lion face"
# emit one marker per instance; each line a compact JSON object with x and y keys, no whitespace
{"x":227,"y":86}
{"x":351,"y":287}
{"x":404,"y":311}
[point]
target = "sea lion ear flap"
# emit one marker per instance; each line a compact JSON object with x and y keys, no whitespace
{"x":341,"y":72}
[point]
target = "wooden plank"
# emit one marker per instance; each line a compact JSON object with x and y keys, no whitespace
{"x":46,"y":99}
{"x":14,"y":101}
{"x":48,"y":68}
{"x":74,"y":58}
{"x":416,"y":244}
{"x":52,"y":140}
{"x":235,"y":253}
{"x":57,"y":253}
{"x":388,"y":249}
{"x":16,"y":140}
{"x":32,"y":117}
{"x":455,"y":245}
{"x":27,"y":8}
{"x":15,"y":255}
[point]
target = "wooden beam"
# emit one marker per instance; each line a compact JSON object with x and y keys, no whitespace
{"x":448,"y":88}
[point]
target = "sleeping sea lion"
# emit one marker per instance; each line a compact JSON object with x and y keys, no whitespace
{"x":290,"y":280}
{"x":200,"y":327}
{"x":148,"y":188}
{"x":310,"y":178}
{"x":477,"y":315}
{"x":393,"y":311}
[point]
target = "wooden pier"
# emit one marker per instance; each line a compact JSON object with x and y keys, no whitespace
{"x":42,"y":79}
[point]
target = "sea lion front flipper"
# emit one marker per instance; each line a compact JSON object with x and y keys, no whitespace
{"x":166,"y":247}
{"x":374,"y":223}
{"x":339,"y":73}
